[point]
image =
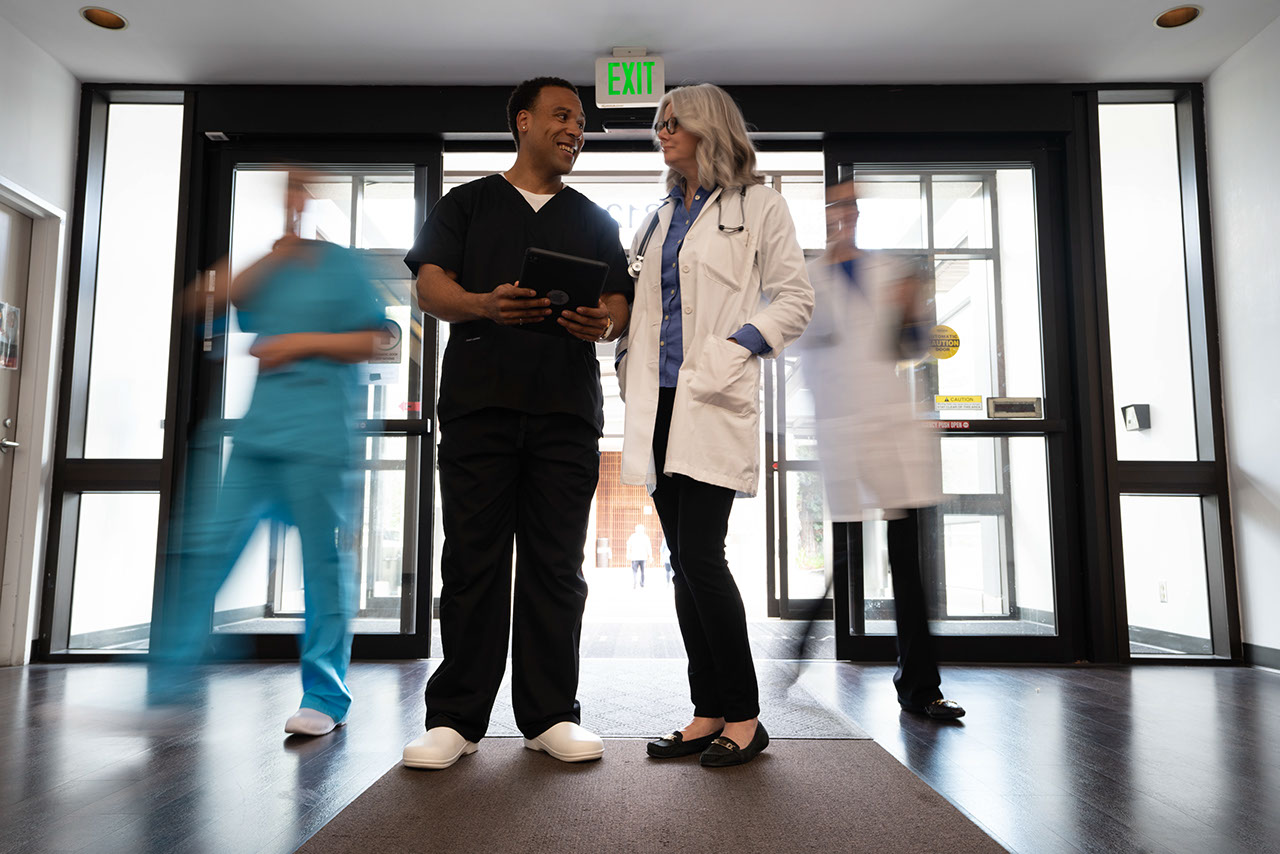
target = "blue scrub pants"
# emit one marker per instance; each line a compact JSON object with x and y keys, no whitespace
{"x":315,"y":496}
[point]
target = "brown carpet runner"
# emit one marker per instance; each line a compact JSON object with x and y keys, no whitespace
{"x":799,"y":795}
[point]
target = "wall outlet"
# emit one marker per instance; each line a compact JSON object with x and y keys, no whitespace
{"x":1164,"y":591}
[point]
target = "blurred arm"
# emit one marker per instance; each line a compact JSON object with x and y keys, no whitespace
{"x":277,"y":350}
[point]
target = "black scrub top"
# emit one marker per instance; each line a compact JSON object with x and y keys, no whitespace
{"x":480,"y":231}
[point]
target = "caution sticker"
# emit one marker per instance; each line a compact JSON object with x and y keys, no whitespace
{"x":943,"y":342}
{"x":957,"y":401}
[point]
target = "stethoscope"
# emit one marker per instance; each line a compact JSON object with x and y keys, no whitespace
{"x":638,"y":264}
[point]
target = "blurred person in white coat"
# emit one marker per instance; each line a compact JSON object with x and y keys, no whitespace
{"x":871,"y":314}
{"x":639,"y":552}
{"x":721,"y":284}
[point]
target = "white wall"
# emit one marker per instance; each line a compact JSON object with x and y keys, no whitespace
{"x":1242,"y":101}
{"x":39,"y":103}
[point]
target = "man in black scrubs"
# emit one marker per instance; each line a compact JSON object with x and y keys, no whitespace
{"x":520,"y":417}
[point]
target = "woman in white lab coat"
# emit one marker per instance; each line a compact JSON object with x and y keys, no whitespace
{"x":877,"y":459}
{"x":721,"y":284}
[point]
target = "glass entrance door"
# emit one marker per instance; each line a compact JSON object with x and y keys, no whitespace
{"x":372,"y":207}
{"x":991,"y":387}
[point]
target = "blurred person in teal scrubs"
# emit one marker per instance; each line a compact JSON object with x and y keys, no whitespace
{"x":293,"y":458}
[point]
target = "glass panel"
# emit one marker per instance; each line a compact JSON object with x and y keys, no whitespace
{"x":802,"y":443}
{"x":877,"y":582}
{"x":394,"y":375}
{"x":387,"y":213}
{"x":808,"y":537}
{"x":627,"y":202}
{"x":129,"y":372}
{"x":891,"y":212}
{"x":981,"y":240}
{"x":264,"y":593}
{"x":1165,"y":574}
{"x":961,"y":213}
{"x":986,"y":551}
{"x":114,"y":570}
{"x":383,"y":227}
{"x":969,"y":465}
{"x":1021,"y":354}
{"x":806,"y":199}
{"x":1146,"y":280}
{"x":965,"y":303}
{"x":328,"y":214}
{"x":629,"y":184}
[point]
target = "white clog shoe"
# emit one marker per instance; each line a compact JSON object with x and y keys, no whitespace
{"x":438,"y":747}
{"x":568,"y":742}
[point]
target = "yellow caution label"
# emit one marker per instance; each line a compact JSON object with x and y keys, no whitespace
{"x":957,"y":401}
{"x":943,"y":342}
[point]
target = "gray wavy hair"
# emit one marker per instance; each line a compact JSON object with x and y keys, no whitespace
{"x":726,"y":157}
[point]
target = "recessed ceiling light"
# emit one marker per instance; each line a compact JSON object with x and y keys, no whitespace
{"x":1177,"y":17}
{"x":104,"y":18}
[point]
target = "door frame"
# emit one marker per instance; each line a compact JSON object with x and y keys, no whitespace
{"x":210,"y":240}
{"x":1061,"y":423}
{"x":31,"y":489}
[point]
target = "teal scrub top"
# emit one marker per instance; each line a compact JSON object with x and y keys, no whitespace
{"x":308,"y":408}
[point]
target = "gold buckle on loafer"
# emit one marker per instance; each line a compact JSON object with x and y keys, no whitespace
{"x":727,"y":743}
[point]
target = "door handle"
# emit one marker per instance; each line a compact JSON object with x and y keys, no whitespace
{"x":6,"y":444}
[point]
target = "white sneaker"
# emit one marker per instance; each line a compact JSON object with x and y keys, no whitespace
{"x":438,"y":747}
{"x":310,"y":722}
{"x":568,"y":742}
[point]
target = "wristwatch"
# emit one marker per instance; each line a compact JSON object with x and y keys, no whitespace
{"x":609,"y":328}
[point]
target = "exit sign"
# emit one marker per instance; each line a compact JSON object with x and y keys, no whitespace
{"x":629,"y":81}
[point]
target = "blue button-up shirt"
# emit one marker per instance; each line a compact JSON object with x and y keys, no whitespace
{"x":671,"y":334}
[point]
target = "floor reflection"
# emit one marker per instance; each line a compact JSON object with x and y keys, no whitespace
{"x":1047,"y":759}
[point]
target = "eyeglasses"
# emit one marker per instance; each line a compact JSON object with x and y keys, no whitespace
{"x":672,"y":125}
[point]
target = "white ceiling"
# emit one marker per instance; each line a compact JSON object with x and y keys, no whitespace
{"x":721,"y":41}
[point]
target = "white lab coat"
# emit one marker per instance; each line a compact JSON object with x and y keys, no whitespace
{"x":875,"y":454}
{"x":754,"y":276}
{"x":639,"y":548}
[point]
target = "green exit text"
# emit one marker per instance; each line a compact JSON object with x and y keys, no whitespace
{"x":636,"y":77}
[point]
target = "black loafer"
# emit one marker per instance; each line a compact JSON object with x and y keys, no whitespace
{"x":673,"y":745}
{"x":723,"y":752}
{"x":939,"y":710}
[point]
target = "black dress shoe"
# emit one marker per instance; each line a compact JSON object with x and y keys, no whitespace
{"x":939,"y":710}
{"x":724,"y":752}
{"x":673,"y":745}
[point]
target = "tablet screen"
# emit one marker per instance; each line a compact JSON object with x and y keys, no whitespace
{"x":567,"y":280}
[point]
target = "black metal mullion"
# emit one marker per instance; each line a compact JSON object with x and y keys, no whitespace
{"x":771,"y":478}
{"x":428,"y":189}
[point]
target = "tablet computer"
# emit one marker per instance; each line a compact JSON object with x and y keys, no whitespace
{"x":567,"y":280}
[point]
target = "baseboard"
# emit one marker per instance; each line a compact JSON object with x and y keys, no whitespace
{"x":1262,"y":656}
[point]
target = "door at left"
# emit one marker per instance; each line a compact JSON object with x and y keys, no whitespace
{"x":370,"y":208}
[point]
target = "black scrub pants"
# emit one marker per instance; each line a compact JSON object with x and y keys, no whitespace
{"x":917,"y":678}
{"x":713,"y":621}
{"x":504,"y":476}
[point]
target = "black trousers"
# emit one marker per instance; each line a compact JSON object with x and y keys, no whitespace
{"x":713,"y":621}
{"x":510,"y":476}
{"x":917,"y":678}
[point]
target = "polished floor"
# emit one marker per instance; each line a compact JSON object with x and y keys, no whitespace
{"x":1049,"y":759}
